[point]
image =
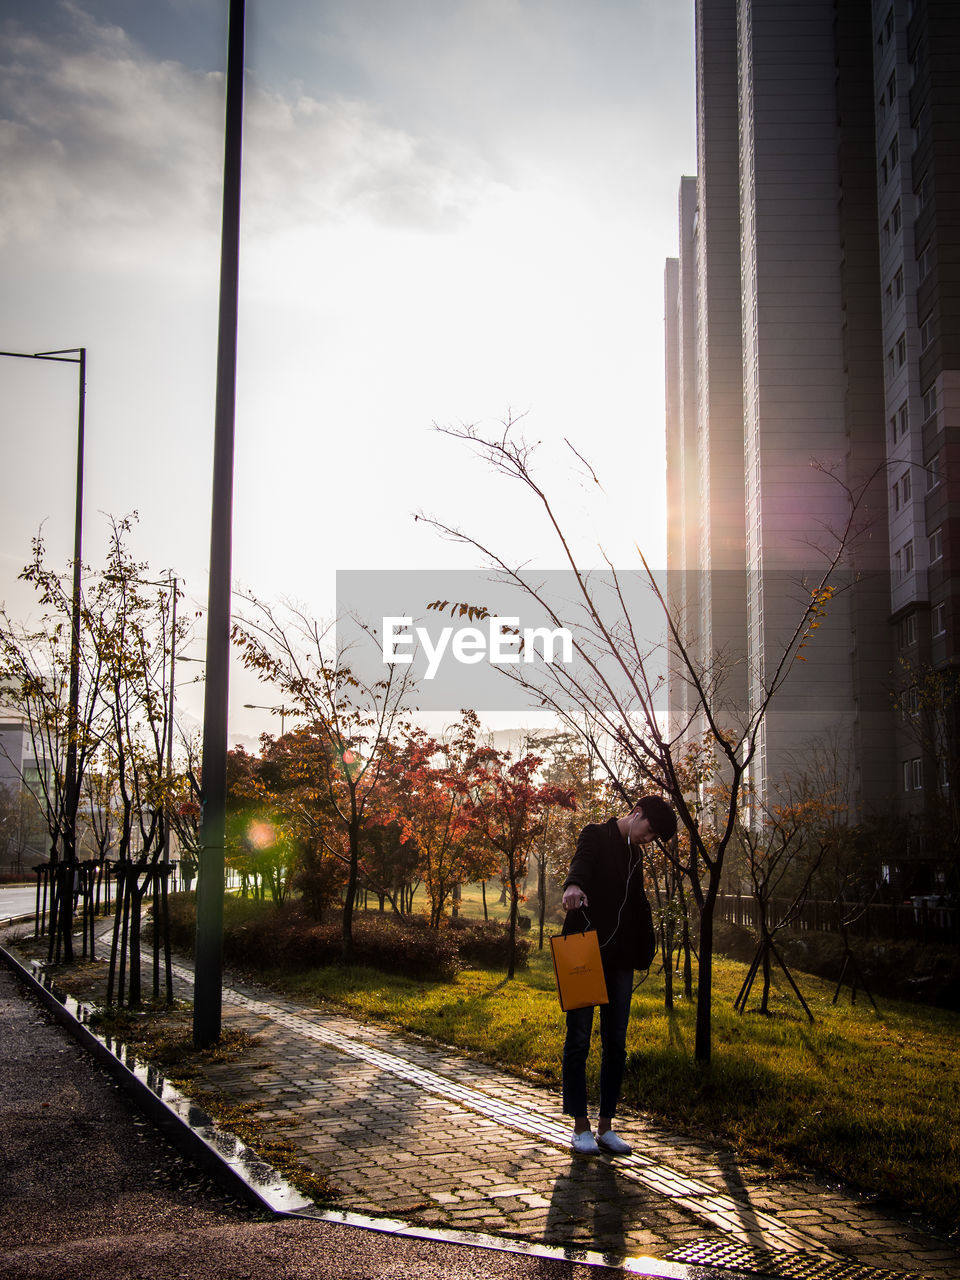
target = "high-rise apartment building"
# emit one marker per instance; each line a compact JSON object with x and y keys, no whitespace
{"x":917,"y":104}
{"x":813,"y":326}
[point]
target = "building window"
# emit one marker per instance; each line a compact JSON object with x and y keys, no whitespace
{"x":908,"y":567}
{"x":901,"y":351}
{"x":892,"y":88}
{"x":896,"y":218}
{"x":907,"y":631}
{"x":903,"y":420}
{"x":924,"y":261}
{"x":913,"y":774}
{"x":905,"y":487}
{"x":898,"y":284}
{"x":933,"y":472}
{"x":929,"y":403}
{"x":926,"y":332}
{"x":888,"y":24}
{"x":896,"y":496}
{"x":894,"y":153}
{"x":884,"y":173}
{"x":938,"y":619}
{"x":911,"y":701}
{"x":923,"y":191}
{"x":935,"y":544}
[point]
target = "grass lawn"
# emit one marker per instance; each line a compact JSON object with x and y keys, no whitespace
{"x":872,"y":1100}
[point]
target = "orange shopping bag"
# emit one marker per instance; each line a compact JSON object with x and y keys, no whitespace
{"x":576,"y":962}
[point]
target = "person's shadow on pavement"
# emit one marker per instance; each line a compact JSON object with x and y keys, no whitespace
{"x":587,"y":1209}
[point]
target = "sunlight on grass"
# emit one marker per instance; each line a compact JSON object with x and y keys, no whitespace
{"x":871,"y":1100}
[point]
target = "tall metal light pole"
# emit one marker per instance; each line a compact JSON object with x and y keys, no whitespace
{"x":168,"y":803}
{"x":208,"y":971}
{"x":61,"y":929}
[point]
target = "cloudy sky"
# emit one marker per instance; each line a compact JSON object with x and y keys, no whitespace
{"x":452,"y":209}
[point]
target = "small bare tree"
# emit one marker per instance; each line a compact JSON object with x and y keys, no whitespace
{"x":34,"y":671}
{"x":782,"y":847}
{"x":611,"y":697}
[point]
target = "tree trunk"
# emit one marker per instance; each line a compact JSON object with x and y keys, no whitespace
{"x":136,"y":915}
{"x":542,"y":894}
{"x":165,"y":925}
{"x":764,"y":999}
{"x":666,"y":951}
{"x":349,"y":898}
{"x":512,"y":966}
{"x":702,"y":1039}
{"x":115,"y":942}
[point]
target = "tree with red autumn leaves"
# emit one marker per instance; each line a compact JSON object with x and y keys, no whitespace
{"x":433,"y":798}
{"x":507,"y":808}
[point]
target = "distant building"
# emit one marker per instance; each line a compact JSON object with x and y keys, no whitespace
{"x":19,"y":776}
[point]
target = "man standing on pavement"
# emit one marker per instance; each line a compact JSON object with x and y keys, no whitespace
{"x":604,"y":891}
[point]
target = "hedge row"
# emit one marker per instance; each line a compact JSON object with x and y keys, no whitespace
{"x":261,"y":936}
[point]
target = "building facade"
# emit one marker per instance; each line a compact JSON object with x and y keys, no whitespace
{"x":815,"y":295}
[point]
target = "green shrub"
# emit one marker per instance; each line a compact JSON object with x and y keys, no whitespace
{"x":486,"y":945}
{"x":415,"y":952}
{"x":259,"y":935}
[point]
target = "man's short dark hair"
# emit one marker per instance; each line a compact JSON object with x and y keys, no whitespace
{"x":662,"y":819}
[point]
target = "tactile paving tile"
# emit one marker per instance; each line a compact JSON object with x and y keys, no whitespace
{"x":781,"y":1266}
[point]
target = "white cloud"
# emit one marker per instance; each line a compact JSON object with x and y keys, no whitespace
{"x":121,"y":155}
{"x":311,"y":162}
{"x":100,"y":143}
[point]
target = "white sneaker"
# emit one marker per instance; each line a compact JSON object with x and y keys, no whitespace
{"x":585,"y":1144}
{"x":611,"y":1142}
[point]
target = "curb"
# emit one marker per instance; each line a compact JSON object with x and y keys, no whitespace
{"x":237,"y":1168}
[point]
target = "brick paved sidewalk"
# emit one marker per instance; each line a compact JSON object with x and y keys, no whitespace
{"x":417,"y":1131}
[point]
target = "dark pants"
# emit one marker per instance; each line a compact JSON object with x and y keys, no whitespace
{"x":613,"y":1047}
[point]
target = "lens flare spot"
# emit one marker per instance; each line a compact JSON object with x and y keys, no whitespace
{"x":261,"y":834}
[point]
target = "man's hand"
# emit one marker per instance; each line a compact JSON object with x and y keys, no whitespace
{"x":573,"y":897}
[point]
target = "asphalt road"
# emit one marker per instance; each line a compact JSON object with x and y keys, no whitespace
{"x":17,"y":901}
{"x":90,"y":1188}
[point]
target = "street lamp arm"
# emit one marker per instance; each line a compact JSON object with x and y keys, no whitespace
{"x":69,"y":355}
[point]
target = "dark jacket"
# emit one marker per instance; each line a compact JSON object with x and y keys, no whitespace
{"x":611,"y":875}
